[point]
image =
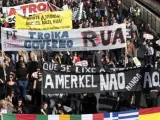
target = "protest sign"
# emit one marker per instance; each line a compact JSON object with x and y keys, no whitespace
{"x":11,"y":19}
{"x":136,"y":62}
{"x":60,"y":20}
{"x":83,"y":63}
{"x":75,"y":79}
{"x":25,"y":10}
{"x":128,"y":31}
{"x":98,"y":38}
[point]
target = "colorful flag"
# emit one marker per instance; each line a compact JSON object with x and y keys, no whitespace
{"x":128,"y":115}
{"x":111,"y":116}
{"x":142,"y":114}
{"x":92,"y":117}
{"x":34,"y":117}
{"x":149,"y":114}
{"x":52,"y":117}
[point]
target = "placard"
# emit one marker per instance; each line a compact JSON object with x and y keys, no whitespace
{"x":98,"y":38}
{"x":60,"y":20}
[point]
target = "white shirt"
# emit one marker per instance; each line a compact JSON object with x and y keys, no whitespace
{"x":3,"y":110}
{"x":150,"y":51}
{"x":35,"y":75}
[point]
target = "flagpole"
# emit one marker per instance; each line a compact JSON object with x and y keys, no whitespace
{"x":4,"y":71}
{"x":42,"y":91}
{"x":81,"y":8}
{"x":125,"y":64}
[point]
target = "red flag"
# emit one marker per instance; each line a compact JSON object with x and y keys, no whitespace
{"x":25,"y":116}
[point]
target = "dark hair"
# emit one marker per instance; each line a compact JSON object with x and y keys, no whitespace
{"x":44,"y":103}
{"x":21,"y":64}
{"x":11,"y":74}
{"x":38,"y":67}
{"x":5,"y":60}
{"x":20,"y":99}
{"x":20,"y":57}
{"x":12,"y":91}
{"x":39,"y":73}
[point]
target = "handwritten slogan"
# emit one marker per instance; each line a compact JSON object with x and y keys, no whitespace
{"x":60,"y":20}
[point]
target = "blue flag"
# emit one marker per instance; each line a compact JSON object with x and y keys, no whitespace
{"x":111,"y":116}
{"x":128,"y":115}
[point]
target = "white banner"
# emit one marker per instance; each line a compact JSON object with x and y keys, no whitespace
{"x":25,"y":10}
{"x":98,"y":38}
{"x":83,"y":63}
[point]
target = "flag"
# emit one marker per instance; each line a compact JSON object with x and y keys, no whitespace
{"x":92,"y":117}
{"x":111,"y":116}
{"x":77,"y":13}
{"x":75,"y":117}
{"x":52,"y":117}
{"x":149,"y":114}
{"x":128,"y":115}
{"x":34,"y":117}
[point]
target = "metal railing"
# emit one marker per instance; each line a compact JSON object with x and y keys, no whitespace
{"x":148,"y":16}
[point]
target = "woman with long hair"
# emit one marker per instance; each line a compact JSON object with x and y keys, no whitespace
{"x":76,"y":58}
{"x":11,"y":85}
{"x":21,"y":60}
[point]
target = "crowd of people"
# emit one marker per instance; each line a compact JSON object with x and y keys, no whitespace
{"x":21,"y":72}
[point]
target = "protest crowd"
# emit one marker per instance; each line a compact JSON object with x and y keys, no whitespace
{"x":21,"y":72}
